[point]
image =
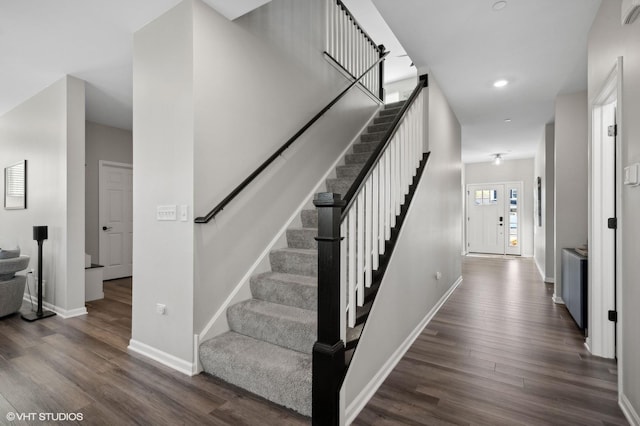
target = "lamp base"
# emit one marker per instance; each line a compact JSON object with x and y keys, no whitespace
{"x":33,"y":316}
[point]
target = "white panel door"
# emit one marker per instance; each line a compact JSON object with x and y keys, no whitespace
{"x":486,"y":219}
{"x":116,"y":219}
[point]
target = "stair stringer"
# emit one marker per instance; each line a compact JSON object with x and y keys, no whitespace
{"x":241,"y":292}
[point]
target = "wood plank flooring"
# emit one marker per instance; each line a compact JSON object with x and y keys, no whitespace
{"x":499,"y":352}
{"x":81,"y":365}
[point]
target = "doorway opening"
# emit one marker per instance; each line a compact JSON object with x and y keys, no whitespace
{"x":494,"y":213}
{"x":116,"y":219}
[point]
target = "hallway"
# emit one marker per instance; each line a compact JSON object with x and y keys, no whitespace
{"x":498,"y":352}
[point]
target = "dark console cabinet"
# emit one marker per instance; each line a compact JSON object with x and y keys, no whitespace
{"x":574,"y":285}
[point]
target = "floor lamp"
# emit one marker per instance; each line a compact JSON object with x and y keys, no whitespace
{"x":40,"y":233}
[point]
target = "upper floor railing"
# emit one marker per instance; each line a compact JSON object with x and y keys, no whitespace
{"x":351,"y":47}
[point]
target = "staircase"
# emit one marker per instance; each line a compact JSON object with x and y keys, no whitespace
{"x":268,"y":348}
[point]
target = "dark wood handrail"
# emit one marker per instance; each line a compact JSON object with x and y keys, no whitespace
{"x":367,"y":169}
{"x":217,"y":209}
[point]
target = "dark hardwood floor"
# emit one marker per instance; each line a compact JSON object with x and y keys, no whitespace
{"x":81,"y":365}
{"x":499,"y":352}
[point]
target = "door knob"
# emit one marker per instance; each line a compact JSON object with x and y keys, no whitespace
{"x":107,"y":228}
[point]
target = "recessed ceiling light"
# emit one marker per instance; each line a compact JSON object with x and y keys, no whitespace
{"x":500,"y":83}
{"x":499,"y":5}
{"x":507,"y":120}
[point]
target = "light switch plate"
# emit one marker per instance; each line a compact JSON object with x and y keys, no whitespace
{"x":184,"y":213}
{"x":631,"y":177}
{"x":166,"y":212}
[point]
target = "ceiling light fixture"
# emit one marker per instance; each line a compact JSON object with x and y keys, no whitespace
{"x":499,"y":5}
{"x":507,"y":120}
{"x":500,"y":83}
{"x":498,"y":159}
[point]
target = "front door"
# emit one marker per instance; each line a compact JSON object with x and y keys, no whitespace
{"x":486,"y":221}
{"x":116,"y":219}
{"x":494,"y":222}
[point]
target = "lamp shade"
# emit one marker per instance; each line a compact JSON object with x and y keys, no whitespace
{"x":40,"y":233}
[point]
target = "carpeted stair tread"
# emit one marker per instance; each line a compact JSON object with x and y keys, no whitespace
{"x":372,"y":137}
{"x":286,"y":326}
{"x":339,"y":186}
{"x":286,"y":289}
{"x":350,"y":171}
{"x":384,"y":119}
{"x":310,"y":217}
{"x":382,"y":127}
{"x":360,"y":158}
{"x":303,"y":238}
{"x":294,"y":261}
{"x":270,"y":371}
{"x":389,"y":112}
{"x":365,"y":147}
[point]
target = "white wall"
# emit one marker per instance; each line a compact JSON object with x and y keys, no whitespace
{"x":544,"y":234}
{"x":108,"y":144}
{"x":429,"y":242}
{"x":163,"y":157}
{"x":47,"y":130}
{"x":275,"y":55}
{"x":570,"y":177}
{"x":510,"y":171}
{"x":608,"y":40}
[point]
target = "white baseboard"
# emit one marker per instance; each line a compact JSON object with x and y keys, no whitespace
{"x":370,"y":389}
{"x":63,"y":313}
{"x":629,"y":412}
{"x":557,"y":300}
{"x":162,"y":357}
{"x":197,"y":367}
{"x":549,"y":280}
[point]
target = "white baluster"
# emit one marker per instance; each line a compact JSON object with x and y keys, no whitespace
{"x":387,"y":195}
{"x":343,"y":277}
{"x":368,"y":233}
{"x":351,"y":259}
{"x":383,"y":204}
{"x":375,"y":211}
{"x":394,"y":179}
{"x":360,"y":249}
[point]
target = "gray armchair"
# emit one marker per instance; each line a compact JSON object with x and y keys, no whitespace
{"x":12,"y":286}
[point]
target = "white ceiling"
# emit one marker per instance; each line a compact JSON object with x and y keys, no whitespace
{"x":43,"y":40}
{"x":539,"y":45}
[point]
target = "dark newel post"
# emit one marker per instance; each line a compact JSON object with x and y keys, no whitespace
{"x":424,"y":78}
{"x":328,"y":351}
{"x":381,"y":50}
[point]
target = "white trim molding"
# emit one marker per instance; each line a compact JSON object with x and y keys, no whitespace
{"x":63,"y":313}
{"x":629,"y":412}
{"x":376,"y":381}
{"x":557,"y":300}
{"x":162,"y":357}
{"x":604,"y":269}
